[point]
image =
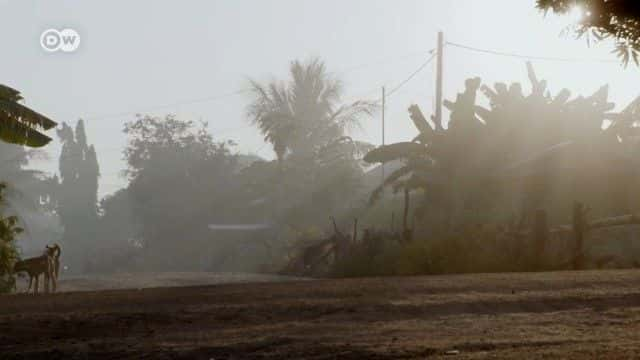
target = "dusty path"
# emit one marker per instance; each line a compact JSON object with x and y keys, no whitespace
{"x":154,"y":280}
{"x":573,"y":315}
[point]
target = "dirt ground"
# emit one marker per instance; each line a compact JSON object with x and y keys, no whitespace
{"x":153,"y":280}
{"x":571,"y":315}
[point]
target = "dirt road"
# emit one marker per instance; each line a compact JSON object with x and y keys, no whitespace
{"x":574,"y":315}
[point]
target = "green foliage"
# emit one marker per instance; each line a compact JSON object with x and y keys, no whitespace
{"x":619,"y":20}
{"x":470,"y":249}
{"x":378,"y":256}
{"x":19,"y":124}
{"x":8,"y":252}
{"x":181,"y":180}
{"x":27,"y":196}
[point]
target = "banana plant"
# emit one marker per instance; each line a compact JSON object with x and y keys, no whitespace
{"x":516,"y":138}
{"x":19,"y":124}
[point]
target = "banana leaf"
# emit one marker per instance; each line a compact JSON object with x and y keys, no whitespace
{"x":395,"y":151}
{"x":390,"y":179}
{"x":15,"y":132}
{"x":9,"y":93}
{"x":419,"y":120}
{"x":24,"y":114}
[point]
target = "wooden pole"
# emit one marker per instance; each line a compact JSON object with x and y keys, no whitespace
{"x":579,"y":227}
{"x":355,"y":231}
{"x":406,"y":233}
{"x":384,"y":99}
{"x":438,"y":115}
{"x":393,"y":227}
{"x":540,"y":238}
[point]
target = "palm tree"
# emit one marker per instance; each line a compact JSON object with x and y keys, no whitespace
{"x":301,"y":117}
{"x":19,"y":124}
{"x":318,"y":166}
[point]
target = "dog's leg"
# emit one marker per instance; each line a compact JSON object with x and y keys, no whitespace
{"x":52,"y":275}
{"x":46,"y":282}
{"x":54,"y":281}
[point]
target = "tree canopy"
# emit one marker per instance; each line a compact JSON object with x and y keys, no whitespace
{"x":615,"y":19}
{"x":300,"y":117}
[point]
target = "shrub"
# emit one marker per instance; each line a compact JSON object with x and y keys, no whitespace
{"x":8,"y":251}
{"x":470,"y":249}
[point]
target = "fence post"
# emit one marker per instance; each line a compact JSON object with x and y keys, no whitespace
{"x":541,"y":236}
{"x":579,"y":227}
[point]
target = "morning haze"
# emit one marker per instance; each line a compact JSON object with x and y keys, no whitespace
{"x":236,"y":170}
{"x":158,"y":53}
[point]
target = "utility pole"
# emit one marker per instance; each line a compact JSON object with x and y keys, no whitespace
{"x":384,"y":98}
{"x":438,"y":116}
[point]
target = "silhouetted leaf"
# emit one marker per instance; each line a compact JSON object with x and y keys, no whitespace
{"x":394,"y":151}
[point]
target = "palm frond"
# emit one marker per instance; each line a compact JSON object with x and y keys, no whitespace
{"x":348,"y":116}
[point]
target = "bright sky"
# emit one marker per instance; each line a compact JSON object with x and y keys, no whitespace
{"x":137,"y":55}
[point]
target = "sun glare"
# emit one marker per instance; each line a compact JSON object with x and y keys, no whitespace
{"x":577,"y":14}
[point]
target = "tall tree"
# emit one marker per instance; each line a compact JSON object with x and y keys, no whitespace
{"x":306,"y":114}
{"x":76,"y":193}
{"x":615,"y":19}
{"x":181,"y":180}
{"x":307,"y":124}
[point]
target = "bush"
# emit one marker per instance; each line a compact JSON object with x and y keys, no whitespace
{"x":8,"y":251}
{"x":471,"y":249}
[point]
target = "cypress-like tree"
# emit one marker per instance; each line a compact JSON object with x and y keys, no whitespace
{"x":77,"y":193}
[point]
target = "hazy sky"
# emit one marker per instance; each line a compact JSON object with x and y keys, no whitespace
{"x":138,"y":55}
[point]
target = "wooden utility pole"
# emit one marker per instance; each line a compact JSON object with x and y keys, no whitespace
{"x":438,"y":115}
{"x":579,"y":230}
{"x":384,"y":98}
{"x":540,"y":238}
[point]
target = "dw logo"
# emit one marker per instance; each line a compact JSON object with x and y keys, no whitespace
{"x":66,"y":40}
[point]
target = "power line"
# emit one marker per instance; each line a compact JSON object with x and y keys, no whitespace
{"x":176,"y":104}
{"x":383,"y":61}
{"x":242,"y":91}
{"x":413,"y":74}
{"x":526,"y":57}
